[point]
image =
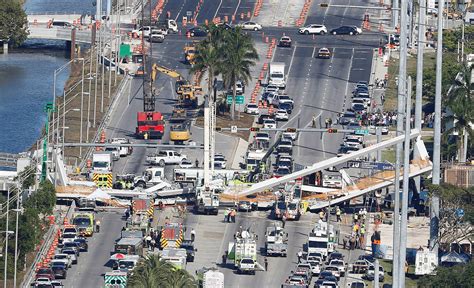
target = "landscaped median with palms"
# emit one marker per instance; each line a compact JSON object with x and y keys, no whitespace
{"x":154,"y":272}
{"x":226,"y":52}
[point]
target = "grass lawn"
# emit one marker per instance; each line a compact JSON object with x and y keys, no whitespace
{"x":410,"y":279}
{"x":388,"y":155}
{"x":391,"y":92}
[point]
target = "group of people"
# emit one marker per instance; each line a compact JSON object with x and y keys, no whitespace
{"x":358,"y":231}
{"x":229,"y":215}
{"x":151,"y":240}
{"x":379,"y":118}
{"x":380,"y":83}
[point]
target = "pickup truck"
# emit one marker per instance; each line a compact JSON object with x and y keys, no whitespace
{"x":165,"y":157}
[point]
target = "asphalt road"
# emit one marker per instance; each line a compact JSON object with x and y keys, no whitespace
{"x":92,"y":265}
{"x":318,"y":86}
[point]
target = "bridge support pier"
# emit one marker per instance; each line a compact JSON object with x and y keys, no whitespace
{"x":71,"y":45}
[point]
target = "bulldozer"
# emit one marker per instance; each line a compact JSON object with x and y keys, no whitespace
{"x":190,"y":53}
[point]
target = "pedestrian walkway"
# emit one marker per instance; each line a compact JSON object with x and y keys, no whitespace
{"x":378,"y":78}
{"x":279,"y":12}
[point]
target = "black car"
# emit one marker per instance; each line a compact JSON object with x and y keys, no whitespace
{"x":263,"y":117}
{"x":367,"y":257}
{"x":286,"y":106}
{"x":197,"y":32}
{"x":328,"y":278}
{"x":335,"y":255}
{"x":362,"y":89}
{"x":346,"y":30}
{"x":225,"y":26}
{"x":59,"y":270}
{"x":189,"y":246}
{"x":82,"y":243}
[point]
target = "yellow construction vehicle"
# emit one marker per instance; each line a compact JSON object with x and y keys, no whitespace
{"x":167,"y":71}
{"x":180,"y":132}
{"x":187,"y":95}
{"x":190,"y":53}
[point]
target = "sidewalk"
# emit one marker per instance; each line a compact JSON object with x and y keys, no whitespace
{"x":274,"y":11}
{"x":379,"y":73}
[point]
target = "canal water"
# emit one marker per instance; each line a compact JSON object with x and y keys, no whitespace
{"x":26,"y":79}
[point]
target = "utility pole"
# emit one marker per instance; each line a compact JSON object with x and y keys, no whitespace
{"x":406,"y":179}
{"x":402,"y":85}
{"x":395,"y":13}
{"x":463,"y":61}
{"x":206,"y":140}
{"x":434,"y":209}
{"x":419,"y":72}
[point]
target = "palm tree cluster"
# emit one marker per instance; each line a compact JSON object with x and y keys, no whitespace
{"x":226,"y":52}
{"x":460,"y":102}
{"x":155,"y":272}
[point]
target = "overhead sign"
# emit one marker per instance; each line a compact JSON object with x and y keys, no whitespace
{"x":229,"y":99}
{"x":362,"y":132}
{"x":239,"y":99}
{"x":370,"y":165}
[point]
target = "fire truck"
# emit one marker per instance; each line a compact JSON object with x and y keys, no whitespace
{"x":150,"y":125}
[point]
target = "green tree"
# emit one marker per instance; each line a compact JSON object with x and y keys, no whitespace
{"x":450,"y":68}
{"x":207,"y":60}
{"x":44,"y":199}
{"x":239,"y":55}
{"x":452,"y":227}
{"x":13,"y":22}
{"x":460,"y":276}
{"x":452,"y":37}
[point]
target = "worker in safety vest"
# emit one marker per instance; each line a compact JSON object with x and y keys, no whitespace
{"x":338,"y":214}
{"x":262,"y":167}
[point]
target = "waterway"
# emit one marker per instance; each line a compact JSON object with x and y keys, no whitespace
{"x":26,"y":79}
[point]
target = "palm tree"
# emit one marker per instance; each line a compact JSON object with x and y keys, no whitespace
{"x":462,"y":119}
{"x":207,"y":60}
{"x":180,"y":279}
{"x":238,"y":56}
{"x":150,"y":272}
{"x":460,"y":102}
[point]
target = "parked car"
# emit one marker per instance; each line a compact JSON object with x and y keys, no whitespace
{"x":347,"y":118}
{"x":281,"y":115}
{"x":82,"y":243}
{"x":369,"y":275}
{"x":190,"y":250}
{"x":373,"y":129}
{"x":324,"y":53}
{"x":263,"y":117}
{"x":59,"y":270}
{"x":346,"y":30}
{"x":285,"y":41}
{"x":288,"y":107}
{"x":63,"y":258}
{"x":186,"y":164}
{"x":197,"y":32}
{"x":269,"y":124}
{"x":262,"y":136}
{"x":250,"y":25}
{"x":219,"y":159}
{"x":313,"y":29}
{"x":71,"y":254}
{"x":246,"y":206}
{"x":45,"y":273}
{"x":251,"y":108}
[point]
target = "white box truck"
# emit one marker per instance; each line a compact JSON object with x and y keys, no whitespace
{"x":102,"y":162}
{"x":276,"y":75}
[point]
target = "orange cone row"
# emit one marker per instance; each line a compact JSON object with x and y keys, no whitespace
{"x":258,"y":6}
{"x":304,"y":12}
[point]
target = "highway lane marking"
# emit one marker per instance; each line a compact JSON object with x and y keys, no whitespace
{"x":291,"y":61}
{"x":218,"y":7}
{"x":344,"y":14}
{"x":348,"y":79}
{"x":179,"y":12}
{"x":235,"y":11}
{"x":326,"y":11}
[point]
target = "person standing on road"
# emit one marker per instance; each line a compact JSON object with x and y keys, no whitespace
{"x":338,"y":214}
{"x":314,"y":121}
{"x":300,"y":255}
{"x":193,"y":235}
{"x":224,"y":258}
{"x":266,"y":264}
{"x":97,"y":226}
{"x":283,"y":220}
{"x":152,"y":244}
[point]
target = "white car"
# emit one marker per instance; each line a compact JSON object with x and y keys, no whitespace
{"x":186,"y":164}
{"x":250,"y":25}
{"x":339,"y":264}
{"x":219,"y":161}
{"x":251,"y":108}
{"x":373,"y":129}
{"x":262,"y":136}
{"x":281,"y":115}
{"x":269,"y":124}
{"x":313,"y":29}
{"x":334,"y":270}
{"x":292,"y":135}
{"x":64,"y":258}
{"x":145,"y":30}
{"x":272,"y":88}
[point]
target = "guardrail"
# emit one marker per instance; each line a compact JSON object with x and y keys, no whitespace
{"x":105,"y":121}
{"x":47,"y":241}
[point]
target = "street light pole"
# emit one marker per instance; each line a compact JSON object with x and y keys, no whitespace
{"x":402,"y":89}
{"x":395,"y":13}
{"x":82,"y":110}
{"x":19,"y":190}
{"x":6,"y":242}
{"x":434,"y":210}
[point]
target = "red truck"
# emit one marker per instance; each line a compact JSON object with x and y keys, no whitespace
{"x":150,"y":125}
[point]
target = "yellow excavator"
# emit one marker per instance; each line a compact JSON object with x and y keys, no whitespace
{"x":180,"y":132}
